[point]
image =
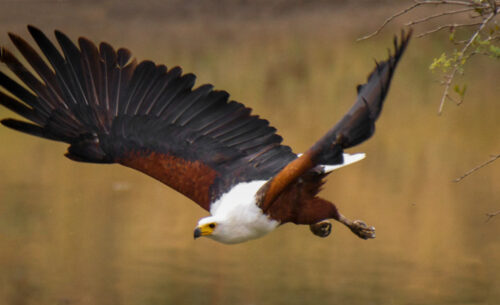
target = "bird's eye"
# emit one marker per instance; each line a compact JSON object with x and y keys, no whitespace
{"x":212,"y":225}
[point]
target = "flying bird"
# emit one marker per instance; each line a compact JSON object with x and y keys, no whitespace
{"x":110,"y":108}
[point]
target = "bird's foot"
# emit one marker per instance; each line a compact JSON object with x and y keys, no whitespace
{"x":361,"y":229}
{"x":321,"y":229}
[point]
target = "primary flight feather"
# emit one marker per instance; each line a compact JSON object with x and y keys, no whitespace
{"x":111,"y":109}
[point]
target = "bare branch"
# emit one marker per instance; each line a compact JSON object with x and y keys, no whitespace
{"x":448,"y":26}
{"x":485,"y":10}
{"x":480,"y":13}
{"x":457,"y":102}
{"x":402,"y":12}
{"x":492,"y":6}
{"x":414,"y":22}
{"x":492,"y":159}
{"x":438,"y":2}
{"x":463,"y":2}
{"x":491,"y":215}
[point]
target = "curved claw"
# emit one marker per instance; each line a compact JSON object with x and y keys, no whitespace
{"x":321,"y":229}
{"x":361,"y":229}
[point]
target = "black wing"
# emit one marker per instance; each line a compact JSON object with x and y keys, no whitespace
{"x":357,"y":125}
{"x":144,"y":116}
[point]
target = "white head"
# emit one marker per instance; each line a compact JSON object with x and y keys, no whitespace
{"x":236,"y":217}
{"x":221,"y":230}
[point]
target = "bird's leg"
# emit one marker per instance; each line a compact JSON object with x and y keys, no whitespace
{"x":321,"y":229}
{"x":358,"y":227}
{"x":310,"y":209}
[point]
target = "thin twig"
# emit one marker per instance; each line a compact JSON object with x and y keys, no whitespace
{"x":448,"y":26}
{"x":414,"y":22}
{"x":491,"y":215}
{"x":455,"y":101}
{"x":456,"y":66}
{"x":486,"y":10}
{"x":402,"y":12}
{"x":492,"y":6}
{"x":469,"y":172}
{"x":464,"y":2}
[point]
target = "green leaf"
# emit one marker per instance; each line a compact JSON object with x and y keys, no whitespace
{"x":442,"y":62}
{"x":494,"y":51}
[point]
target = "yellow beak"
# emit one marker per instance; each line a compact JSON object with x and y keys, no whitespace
{"x":203,"y":230}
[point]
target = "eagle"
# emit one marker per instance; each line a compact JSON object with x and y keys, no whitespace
{"x":110,"y":108}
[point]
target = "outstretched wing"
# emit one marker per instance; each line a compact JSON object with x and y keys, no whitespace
{"x":355,"y":127}
{"x":111,"y":109}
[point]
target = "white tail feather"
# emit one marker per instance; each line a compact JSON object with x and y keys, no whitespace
{"x":348,"y":159}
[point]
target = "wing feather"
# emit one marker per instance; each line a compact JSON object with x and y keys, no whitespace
{"x":357,"y":125}
{"x":64,"y":79}
{"x":41,"y":68}
{"x":111,"y":109}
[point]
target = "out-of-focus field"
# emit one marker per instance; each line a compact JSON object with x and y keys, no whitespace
{"x":75,"y":233}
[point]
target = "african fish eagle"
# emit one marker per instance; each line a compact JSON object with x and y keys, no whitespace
{"x":111,"y":109}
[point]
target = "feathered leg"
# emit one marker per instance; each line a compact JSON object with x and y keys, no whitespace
{"x":358,"y":227}
{"x":322,"y":228}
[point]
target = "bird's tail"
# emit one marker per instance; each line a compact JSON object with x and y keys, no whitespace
{"x":348,"y":159}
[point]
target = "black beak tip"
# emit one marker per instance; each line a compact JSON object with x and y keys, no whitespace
{"x":197,"y":233}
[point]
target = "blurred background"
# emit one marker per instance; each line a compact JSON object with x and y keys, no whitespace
{"x":74,"y":233}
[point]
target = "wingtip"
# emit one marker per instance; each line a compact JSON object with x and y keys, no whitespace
{"x":408,"y":34}
{"x":59,"y":34}
{"x":13,"y":37}
{"x":5,"y":55}
{"x":33,"y":29}
{"x":400,"y":44}
{"x":124,"y":57}
{"x":11,"y":123}
{"x":16,"y":39}
{"x":404,"y":40}
{"x":36,"y":33}
{"x":84,"y":41}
